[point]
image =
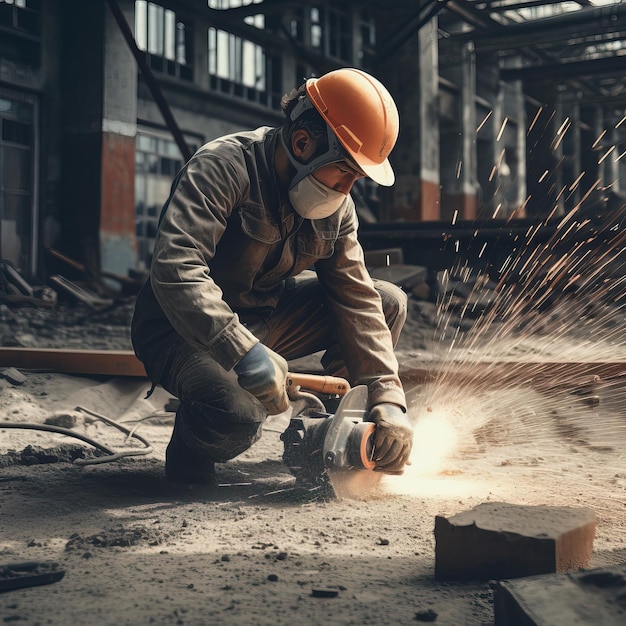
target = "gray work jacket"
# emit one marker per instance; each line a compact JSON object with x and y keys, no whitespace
{"x":227,"y":241}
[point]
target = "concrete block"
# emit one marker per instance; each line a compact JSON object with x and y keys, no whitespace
{"x":499,"y":540}
{"x":588,"y":597}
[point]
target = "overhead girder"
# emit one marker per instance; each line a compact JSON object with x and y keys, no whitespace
{"x":587,"y":22}
{"x":595,"y":68}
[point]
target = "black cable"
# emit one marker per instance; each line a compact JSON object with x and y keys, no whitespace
{"x":111,"y":455}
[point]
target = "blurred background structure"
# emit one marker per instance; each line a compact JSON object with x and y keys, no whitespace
{"x":512,"y":111}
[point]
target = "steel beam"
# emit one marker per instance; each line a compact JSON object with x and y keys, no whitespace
{"x":574,"y":69}
{"x":588,"y":22}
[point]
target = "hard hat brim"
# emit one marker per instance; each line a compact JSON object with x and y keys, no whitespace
{"x":380,"y":173}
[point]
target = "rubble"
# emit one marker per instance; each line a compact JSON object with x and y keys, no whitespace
{"x":14,"y":376}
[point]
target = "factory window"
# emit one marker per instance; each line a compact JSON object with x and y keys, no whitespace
{"x":157,"y":161}
{"x":242,"y":67}
{"x":165,"y":38}
{"x":21,"y":15}
{"x":237,"y":66}
{"x":317,"y":15}
{"x":20,"y":31}
{"x":368,"y":35}
{"x":18,"y":215}
{"x":331,"y":32}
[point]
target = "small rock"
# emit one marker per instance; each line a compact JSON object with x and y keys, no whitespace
{"x":382,"y":541}
{"x":14,"y":376}
{"x":272,"y":577}
{"x":426,"y":616}
{"x":324,"y":592}
{"x":64,"y":419}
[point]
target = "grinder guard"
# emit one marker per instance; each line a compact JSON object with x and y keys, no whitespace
{"x":316,"y":442}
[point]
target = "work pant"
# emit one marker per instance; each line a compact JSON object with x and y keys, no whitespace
{"x":217,"y":419}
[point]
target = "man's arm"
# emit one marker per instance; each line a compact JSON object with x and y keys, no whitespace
{"x":367,"y":347}
{"x":191,"y":227}
{"x":356,"y":308}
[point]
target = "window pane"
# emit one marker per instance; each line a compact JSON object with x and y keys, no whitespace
{"x":17,"y":170}
{"x":181,"y":44}
{"x":155,"y":29}
{"x":16,"y":132}
{"x":248,"y":64}
{"x":222,"y":54}
{"x":141,"y":24}
{"x":170,"y":36}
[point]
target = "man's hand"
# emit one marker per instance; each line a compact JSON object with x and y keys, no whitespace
{"x":263,"y":373}
{"x":393,"y":438}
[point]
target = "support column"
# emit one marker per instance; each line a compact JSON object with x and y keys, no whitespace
{"x":542,"y":163}
{"x":572,"y":166}
{"x":411,"y":70}
{"x":82,"y":44}
{"x":458,"y":169}
{"x":100,"y":99}
{"x":518,"y":193}
{"x":119,"y":130}
{"x":594,"y":144}
{"x":612,"y":163}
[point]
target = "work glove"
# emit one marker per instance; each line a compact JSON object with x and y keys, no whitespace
{"x":393,"y":438}
{"x":263,"y":373}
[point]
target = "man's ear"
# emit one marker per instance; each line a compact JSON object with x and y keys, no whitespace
{"x":303,"y":145}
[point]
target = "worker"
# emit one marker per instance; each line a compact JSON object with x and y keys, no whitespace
{"x":256,"y":262}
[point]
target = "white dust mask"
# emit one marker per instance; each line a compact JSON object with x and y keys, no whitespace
{"x":314,"y":201}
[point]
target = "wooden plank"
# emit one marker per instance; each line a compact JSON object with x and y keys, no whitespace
{"x":541,"y":374}
{"x":104,"y":362}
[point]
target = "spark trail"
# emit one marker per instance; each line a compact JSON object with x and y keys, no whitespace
{"x":532,"y":374}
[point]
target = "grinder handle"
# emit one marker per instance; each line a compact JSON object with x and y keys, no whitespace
{"x":319,"y":383}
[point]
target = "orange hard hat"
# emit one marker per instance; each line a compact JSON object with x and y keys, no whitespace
{"x":362,"y":114}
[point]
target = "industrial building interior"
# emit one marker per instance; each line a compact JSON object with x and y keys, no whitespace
{"x":505,"y":228}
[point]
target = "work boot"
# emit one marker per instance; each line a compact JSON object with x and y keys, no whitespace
{"x":184,"y":464}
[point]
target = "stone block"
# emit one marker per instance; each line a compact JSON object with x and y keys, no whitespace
{"x":587,"y":597}
{"x":500,"y":540}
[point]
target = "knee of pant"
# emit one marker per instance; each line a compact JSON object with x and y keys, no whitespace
{"x":227,"y":441}
{"x":394,"y":302}
{"x":228,"y":403}
{"x":214,"y":435}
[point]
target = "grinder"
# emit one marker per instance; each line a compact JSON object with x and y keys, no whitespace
{"x":318,"y":444}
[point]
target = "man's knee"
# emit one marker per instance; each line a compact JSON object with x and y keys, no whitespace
{"x":215,"y":435}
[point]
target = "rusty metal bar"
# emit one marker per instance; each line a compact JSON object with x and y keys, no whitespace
{"x":103,"y":362}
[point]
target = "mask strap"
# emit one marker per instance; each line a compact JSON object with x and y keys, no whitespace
{"x":336,"y":152}
{"x":303,"y":105}
{"x":332,"y":155}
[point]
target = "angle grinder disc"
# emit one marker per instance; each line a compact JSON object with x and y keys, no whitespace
{"x":360,"y":446}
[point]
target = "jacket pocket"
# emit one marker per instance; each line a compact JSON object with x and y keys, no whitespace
{"x":319,"y":246}
{"x":255,"y":223}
